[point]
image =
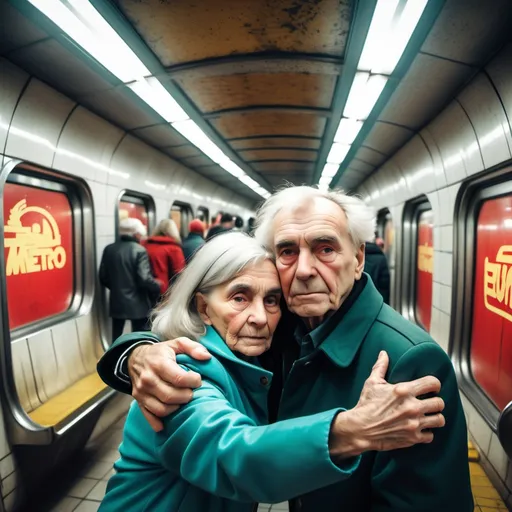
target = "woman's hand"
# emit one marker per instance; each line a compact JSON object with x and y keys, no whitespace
{"x":159,"y":384}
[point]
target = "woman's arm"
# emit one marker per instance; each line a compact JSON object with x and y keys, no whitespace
{"x":214,"y":446}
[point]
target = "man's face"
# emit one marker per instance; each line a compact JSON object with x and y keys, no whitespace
{"x":316,"y":258}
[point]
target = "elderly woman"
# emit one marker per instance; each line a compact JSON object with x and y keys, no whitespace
{"x":216,"y":453}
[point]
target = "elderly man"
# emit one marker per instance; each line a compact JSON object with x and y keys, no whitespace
{"x":322,"y":355}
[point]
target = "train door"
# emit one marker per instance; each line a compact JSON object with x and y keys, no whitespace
{"x":482,"y":324}
{"x":203,"y":214}
{"x":418,"y":262}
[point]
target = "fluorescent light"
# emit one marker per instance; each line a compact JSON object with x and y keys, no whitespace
{"x":324,"y":187}
{"x":157,"y":97}
{"x":247,"y":180}
{"x":194,"y":134}
{"x":347,"y":130}
{"x":399,"y":36}
{"x":232,"y":168}
{"x":337,"y":153}
{"x":363,"y":95}
{"x":325,"y":180}
{"x":376,"y":44}
{"x":392,"y":25}
{"x":330,"y":170}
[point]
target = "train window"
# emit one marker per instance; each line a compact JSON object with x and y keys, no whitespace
{"x":482,"y":321}
{"x":137,"y":206}
{"x":43,"y":242}
{"x":181,"y":214}
{"x":203,"y":214}
{"x":418,"y":259}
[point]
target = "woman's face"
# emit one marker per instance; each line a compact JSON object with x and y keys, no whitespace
{"x":245,"y":311}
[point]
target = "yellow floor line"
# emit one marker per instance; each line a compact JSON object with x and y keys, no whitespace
{"x":487,"y":498}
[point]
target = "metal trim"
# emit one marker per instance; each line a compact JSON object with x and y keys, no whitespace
{"x":22,"y":430}
{"x":187,"y":213}
{"x":408,"y":258}
{"x":206,"y":211}
{"x":489,"y":184}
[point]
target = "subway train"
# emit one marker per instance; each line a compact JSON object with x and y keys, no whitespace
{"x":185,"y":109}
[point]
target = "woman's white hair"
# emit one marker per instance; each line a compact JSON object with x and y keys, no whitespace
{"x":131,"y":226}
{"x":217,"y":262}
{"x":167,"y":227}
{"x":360,"y":218}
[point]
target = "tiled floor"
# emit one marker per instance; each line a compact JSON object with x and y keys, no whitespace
{"x":86,"y":488}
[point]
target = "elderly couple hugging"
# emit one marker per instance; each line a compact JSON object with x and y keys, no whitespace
{"x":353,"y":392}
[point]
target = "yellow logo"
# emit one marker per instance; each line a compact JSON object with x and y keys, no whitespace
{"x":426,"y":258}
{"x":33,"y":248}
{"x":498,"y":282}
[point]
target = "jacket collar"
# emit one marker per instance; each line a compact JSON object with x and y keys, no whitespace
{"x":342,"y":344}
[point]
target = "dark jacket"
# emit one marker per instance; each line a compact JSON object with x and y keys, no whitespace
{"x":376,"y":265}
{"x":165,"y":257}
{"x":125,"y":271}
{"x":216,"y":230}
{"x":191,"y":244}
{"x":424,"y":478}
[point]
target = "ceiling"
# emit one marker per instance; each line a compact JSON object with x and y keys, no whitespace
{"x":260,"y":76}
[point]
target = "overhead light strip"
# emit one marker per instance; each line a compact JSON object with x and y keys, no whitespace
{"x":85,"y":25}
{"x":393,"y":23}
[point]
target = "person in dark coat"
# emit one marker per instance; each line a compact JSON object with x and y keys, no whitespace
{"x":194,"y":240}
{"x":226,"y":224}
{"x":376,"y":265}
{"x":126,"y":272}
{"x":165,"y":252}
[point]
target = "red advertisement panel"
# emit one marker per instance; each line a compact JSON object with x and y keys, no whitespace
{"x":425,"y":268}
{"x":133,"y":210}
{"x":491,"y":335}
{"x":38,"y":251}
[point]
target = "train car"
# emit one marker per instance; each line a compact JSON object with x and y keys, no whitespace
{"x":181,"y":110}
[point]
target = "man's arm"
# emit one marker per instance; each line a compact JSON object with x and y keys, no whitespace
{"x":433,"y":477}
{"x":145,"y":278}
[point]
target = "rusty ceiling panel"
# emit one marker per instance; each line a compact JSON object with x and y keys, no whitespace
{"x":278,"y":154}
{"x":248,"y":124}
{"x":184,"y":31}
{"x":223,"y":92}
{"x":284,"y":167}
{"x":275,"y":142}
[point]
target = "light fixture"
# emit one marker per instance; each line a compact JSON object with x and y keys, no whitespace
{"x":325,"y":180}
{"x":247,"y":180}
{"x":330,"y":170}
{"x":156,"y":96}
{"x":337,"y":153}
{"x":393,"y":23}
{"x":232,"y":168}
{"x":363,"y":95}
{"x":347,"y":130}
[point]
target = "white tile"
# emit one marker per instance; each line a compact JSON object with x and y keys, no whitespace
{"x":111,"y":473}
{"x":6,"y":466}
{"x":88,"y":506}
{"x":446,"y":238}
{"x":9,"y":484}
{"x":10,"y":502}
{"x":98,"y":470}
{"x":445,"y":267}
{"x":66,"y":505}
{"x":434,"y":324}
{"x":480,"y":431}
{"x":105,"y":226}
{"x":446,"y":299}
{"x":98,"y":491}
{"x":497,"y":457}
{"x":436,"y":294}
{"x":445,"y":210}
{"x":106,"y":455}
{"x":82,"y":487}
{"x":444,"y":331}
{"x":263,"y":508}
{"x":280,"y":506}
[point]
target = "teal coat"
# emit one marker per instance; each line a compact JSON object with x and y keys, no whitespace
{"x":424,"y":478}
{"x":212,"y":454}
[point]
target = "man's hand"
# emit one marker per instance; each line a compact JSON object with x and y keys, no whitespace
{"x":159,"y":384}
{"x":388,"y":416}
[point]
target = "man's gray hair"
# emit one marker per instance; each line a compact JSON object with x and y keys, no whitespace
{"x":360,"y":218}
{"x":131,"y":226}
{"x":220,"y":260}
